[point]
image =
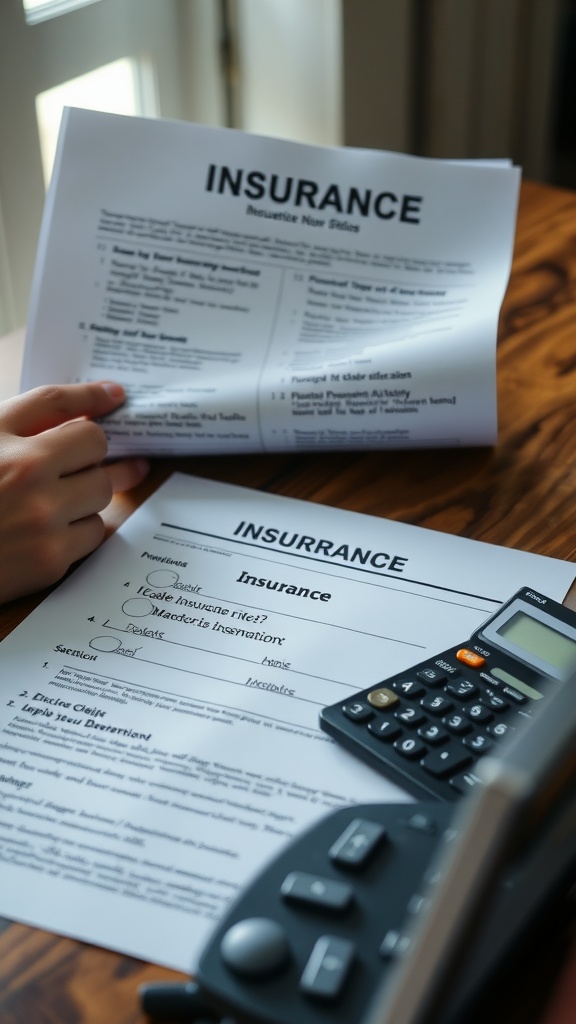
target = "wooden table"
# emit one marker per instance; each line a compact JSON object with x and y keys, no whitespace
{"x":520,"y":494}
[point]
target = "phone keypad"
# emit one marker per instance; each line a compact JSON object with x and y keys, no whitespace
{"x":312,"y":937}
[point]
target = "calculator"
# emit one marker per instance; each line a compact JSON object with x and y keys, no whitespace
{"x":426,"y":728}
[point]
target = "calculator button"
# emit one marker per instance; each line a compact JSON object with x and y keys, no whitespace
{"x":358,"y":711}
{"x":457,"y":724}
{"x":408,"y":688}
{"x":382,"y":697}
{"x":442,"y":763}
{"x":478,"y":743}
{"x":518,"y":698}
{"x":470,"y":658}
{"x":494,"y":701}
{"x":357,"y":843}
{"x":500,"y":728}
{"x":314,"y":890}
{"x":328,"y":967}
{"x":255,"y":947}
{"x":479,"y":713}
{"x":410,"y":748}
{"x":433,"y":734}
{"x":411,"y":717}
{"x":432,"y":676}
{"x":464,"y":689}
{"x":436,"y":704}
{"x":384,"y":729}
{"x":464,"y":782}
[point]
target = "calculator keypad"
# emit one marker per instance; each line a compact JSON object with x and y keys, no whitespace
{"x":427,"y":728}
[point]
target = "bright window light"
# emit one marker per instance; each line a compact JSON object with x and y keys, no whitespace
{"x":114,"y":88}
{"x":41,"y":10}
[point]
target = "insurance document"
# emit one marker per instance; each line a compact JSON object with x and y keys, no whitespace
{"x":159,"y":735}
{"x":254,"y":294}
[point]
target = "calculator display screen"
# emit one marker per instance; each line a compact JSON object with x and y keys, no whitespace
{"x":540,"y":640}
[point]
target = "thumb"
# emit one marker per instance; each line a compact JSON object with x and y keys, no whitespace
{"x":50,"y":405}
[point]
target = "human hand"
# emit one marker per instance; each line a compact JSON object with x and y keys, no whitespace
{"x":53,"y":483}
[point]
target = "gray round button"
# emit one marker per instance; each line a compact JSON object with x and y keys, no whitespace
{"x":255,"y":947}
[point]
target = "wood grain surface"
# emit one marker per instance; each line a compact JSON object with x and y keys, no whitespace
{"x":522,"y":493}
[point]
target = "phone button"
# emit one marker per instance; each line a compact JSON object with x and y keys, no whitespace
{"x":313,"y":890}
{"x":328,"y":966}
{"x":255,"y":947}
{"x":393,"y":943}
{"x":357,"y":843}
{"x":422,"y":823}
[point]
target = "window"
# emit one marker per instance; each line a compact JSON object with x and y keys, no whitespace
{"x":279,"y":76}
{"x":114,"y":88}
{"x":80,"y":51}
{"x":39,"y":10}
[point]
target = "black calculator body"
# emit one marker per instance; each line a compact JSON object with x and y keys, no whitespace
{"x":426,"y":728}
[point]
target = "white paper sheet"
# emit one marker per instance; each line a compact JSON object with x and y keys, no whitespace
{"x":255,"y":294}
{"x":159,"y":733}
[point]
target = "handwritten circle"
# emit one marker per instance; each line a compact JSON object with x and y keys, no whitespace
{"x":162,"y":578}
{"x":137,"y":607}
{"x":107,"y":644}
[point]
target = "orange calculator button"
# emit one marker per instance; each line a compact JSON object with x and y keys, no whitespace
{"x":470,"y":658}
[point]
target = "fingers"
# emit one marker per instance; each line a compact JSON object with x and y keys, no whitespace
{"x":71,"y":447}
{"x":39,"y":561}
{"x":82,"y":495}
{"x":126,"y":473}
{"x":48,"y":406}
{"x":88,"y":492}
{"x":66,"y":444}
{"x":82,"y":537}
{"x":54,"y":482}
